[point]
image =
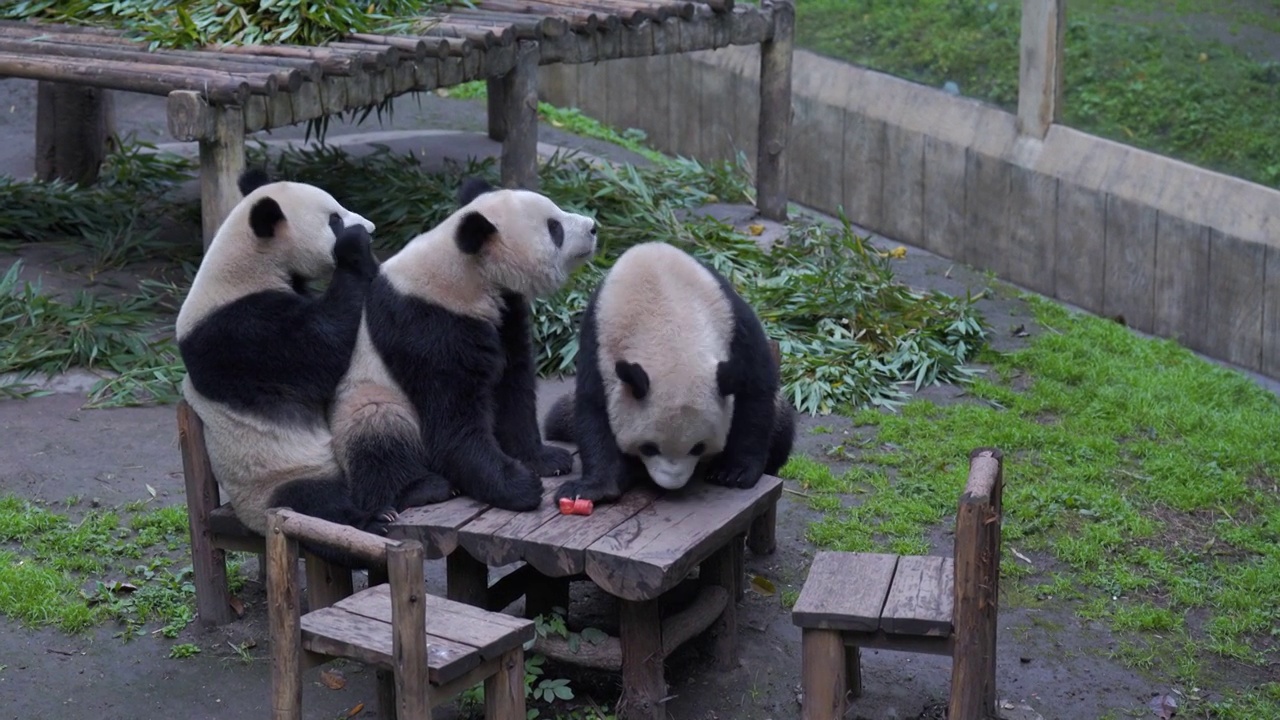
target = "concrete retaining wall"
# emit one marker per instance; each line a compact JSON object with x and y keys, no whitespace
{"x":1177,"y":250}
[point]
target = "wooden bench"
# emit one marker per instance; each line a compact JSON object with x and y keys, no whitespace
{"x":427,"y":649}
{"x":930,"y":604}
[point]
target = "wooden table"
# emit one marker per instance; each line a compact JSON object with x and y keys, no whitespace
{"x":638,"y":549}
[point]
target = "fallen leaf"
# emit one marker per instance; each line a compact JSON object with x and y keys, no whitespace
{"x":333,"y":680}
{"x":1164,"y":706}
{"x":898,"y":253}
{"x":755,"y":229}
{"x":355,"y":710}
{"x":151,"y":490}
{"x":237,"y":606}
{"x":762,"y":585}
{"x":1021,"y":557}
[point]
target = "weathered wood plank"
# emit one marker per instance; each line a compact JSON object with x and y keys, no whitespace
{"x":519,"y":159}
{"x":643,"y":686}
{"x":1080,"y":261}
{"x":1236,"y":287}
{"x":864,"y":175}
{"x":657,"y":547}
{"x":823,"y":674}
{"x":1182,"y":281}
{"x":221,"y":162}
{"x":1032,"y":229}
{"x":845,"y":591}
{"x":336,"y":632}
{"x":208,"y":563}
{"x":436,"y":526}
{"x":775,"y":114}
{"x":1129,"y":282}
{"x":903,"y":190}
{"x":283,"y":620}
{"x":921,"y":597}
{"x":490,"y":633}
{"x":1271,"y":314}
{"x":986,"y":212}
{"x":407,"y":618}
{"x":558,"y":547}
{"x":945,"y":165}
{"x":1044,"y":27}
{"x":495,"y":537}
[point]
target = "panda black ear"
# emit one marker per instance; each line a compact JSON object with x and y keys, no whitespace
{"x":473,"y":188}
{"x":473,"y":232}
{"x":252,"y":179}
{"x":634,"y":377}
{"x":727,"y":379}
{"x":264,"y":216}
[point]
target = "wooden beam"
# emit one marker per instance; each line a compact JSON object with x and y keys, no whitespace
{"x":775,"y":113}
{"x":73,"y":124}
{"x":221,"y":162}
{"x":208,"y":560}
{"x":1044,"y":25}
{"x":284,"y":620}
{"x":520,"y":96}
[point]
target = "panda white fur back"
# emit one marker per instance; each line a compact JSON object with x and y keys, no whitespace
{"x":264,"y":356}
{"x":440,"y":396}
{"x":673,"y":372}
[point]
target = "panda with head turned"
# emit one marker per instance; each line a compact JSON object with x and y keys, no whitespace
{"x":264,"y":354}
{"x":441,"y":394}
{"x":674,"y":372}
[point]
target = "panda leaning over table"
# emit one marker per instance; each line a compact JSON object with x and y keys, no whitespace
{"x":674,"y":374}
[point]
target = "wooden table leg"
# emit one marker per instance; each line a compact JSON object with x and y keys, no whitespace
{"x":763,"y":539}
{"x":643,"y":685}
{"x":724,"y":568}
{"x":822,"y":674}
{"x":467,"y":579}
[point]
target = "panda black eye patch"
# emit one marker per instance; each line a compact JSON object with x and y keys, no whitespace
{"x":557,"y":231}
{"x":698,"y":449}
{"x":648,"y":449}
{"x":335,"y":223}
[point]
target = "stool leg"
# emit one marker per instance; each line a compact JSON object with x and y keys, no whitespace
{"x":643,"y":685}
{"x":822,"y":675}
{"x":467,"y":579}
{"x":504,"y":690}
{"x":386,"y":690}
{"x":724,"y":568}
{"x":853,"y":670}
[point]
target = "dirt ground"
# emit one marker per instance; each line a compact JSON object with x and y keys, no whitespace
{"x":1048,"y":659}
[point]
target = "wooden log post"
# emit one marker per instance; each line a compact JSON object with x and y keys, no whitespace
{"x":504,"y":690}
{"x":520,"y":119}
{"x":722,"y":569}
{"x":73,"y":126}
{"x":221,"y":162}
{"x":409,"y":631}
{"x":643,"y":684}
{"x":775,"y":113}
{"x":822,"y":674}
{"x":208,"y":563}
{"x":497,"y":108}
{"x":977,"y":588}
{"x":1044,"y":26}
{"x":284,"y":620}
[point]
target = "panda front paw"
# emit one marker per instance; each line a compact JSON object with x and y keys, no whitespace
{"x":734,"y":474}
{"x":552,"y":461}
{"x":380,"y":522}
{"x":585,"y":488}
{"x":428,"y":490}
{"x":353,"y":252}
{"x":523,"y":490}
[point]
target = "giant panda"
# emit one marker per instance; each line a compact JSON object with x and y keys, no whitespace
{"x":674,"y":372}
{"x":264,"y":354}
{"x":440,"y":397}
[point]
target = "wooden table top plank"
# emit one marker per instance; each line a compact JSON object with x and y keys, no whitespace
{"x":494,"y":536}
{"x":436,"y":526}
{"x":335,"y":631}
{"x":921,"y":597}
{"x":845,"y":591}
{"x":558,"y":547}
{"x":655,"y":549}
{"x":489,"y":633}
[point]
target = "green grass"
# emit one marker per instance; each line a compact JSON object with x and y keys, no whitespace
{"x":1144,"y":478}
{"x":128,"y":565}
{"x":1153,"y":83}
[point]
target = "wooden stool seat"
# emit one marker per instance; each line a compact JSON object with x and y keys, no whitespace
{"x":880,"y":596}
{"x":459,"y":637}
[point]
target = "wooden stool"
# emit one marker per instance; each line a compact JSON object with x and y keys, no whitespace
{"x":909,"y":603}
{"x":386,"y":626}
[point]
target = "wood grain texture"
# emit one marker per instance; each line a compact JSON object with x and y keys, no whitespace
{"x":208,"y":562}
{"x":436,"y":526}
{"x":1032,"y":229}
{"x":1129,"y":289}
{"x":407,"y":615}
{"x":73,"y":123}
{"x":283,"y":613}
{"x":775,"y":114}
{"x":921,"y":598}
{"x":520,"y":148}
{"x":723,"y":570}
{"x":987,"y":213}
{"x":845,"y":591}
{"x":336,"y":632}
{"x":903,"y":191}
{"x":1182,"y":281}
{"x":945,"y":165}
{"x":495,"y":537}
{"x":643,"y":686}
{"x":1271,"y":314}
{"x":1040,"y":66}
{"x":558,"y":547}
{"x":823,"y":675}
{"x":327,"y":583}
{"x":864,"y":174}
{"x":221,"y":162}
{"x":1080,"y":252}
{"x":1236,"y":292}
{"x":652,"y":551}
{"x":504,"y":690}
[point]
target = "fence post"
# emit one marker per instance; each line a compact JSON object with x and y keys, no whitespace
{"x":1044,"y":24}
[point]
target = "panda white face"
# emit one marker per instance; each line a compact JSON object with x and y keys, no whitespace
{"x":537,"y":245}
{"x":301,"y":221}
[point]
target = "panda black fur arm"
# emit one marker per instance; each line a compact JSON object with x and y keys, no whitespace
{"x":448,"y":376}
{"x":281,"y":354}
{"x":751,"y":377}
{"x":515,"y":398}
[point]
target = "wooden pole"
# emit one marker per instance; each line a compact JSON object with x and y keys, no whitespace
{"x":284,"y":620}
{"x":73,"y":125}
{"x":977,"y":588}
{"x":520,"y":96}
{"x":221,"y":162}
{"x":775,"y":113}
{"x":497,"y":107}
{"x":409,"y":629}
{"x":822,"y":674}
{"x":504,"y":690}
{"x":1044,"y":26}
{"x":208,"y":563}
